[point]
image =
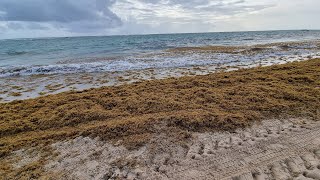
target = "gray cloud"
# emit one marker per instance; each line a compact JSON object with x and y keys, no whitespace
{"x":35,"y":18}
{"x":185,"y":11}
{"x":61,"y":13}
{"x":224,"y":7}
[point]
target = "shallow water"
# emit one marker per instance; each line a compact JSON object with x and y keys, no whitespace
{"x":122,"y":53}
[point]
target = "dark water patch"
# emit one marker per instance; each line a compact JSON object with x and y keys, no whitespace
{"x":248,"y":39}
{"x":16,"y":53}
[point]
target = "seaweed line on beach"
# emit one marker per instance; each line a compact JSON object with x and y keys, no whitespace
{"x":133,"y":114}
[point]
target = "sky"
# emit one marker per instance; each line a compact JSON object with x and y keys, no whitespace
{"x":55,"y":18}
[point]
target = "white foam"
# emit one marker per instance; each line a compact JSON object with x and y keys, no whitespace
{"x":164,"y":60}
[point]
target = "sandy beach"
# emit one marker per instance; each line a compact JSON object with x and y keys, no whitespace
{"x":256,"y":123}
{"x":159,"y":90}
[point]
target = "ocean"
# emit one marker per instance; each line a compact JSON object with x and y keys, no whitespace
{"x":21,"y":57}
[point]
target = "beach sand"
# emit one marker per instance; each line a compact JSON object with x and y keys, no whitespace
{"x":273,"y":149}
{"x":258,"y":123}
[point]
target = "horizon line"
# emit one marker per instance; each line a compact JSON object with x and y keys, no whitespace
{"x":146,"y":34}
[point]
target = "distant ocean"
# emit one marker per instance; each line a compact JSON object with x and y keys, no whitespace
{"x":119,"y":53}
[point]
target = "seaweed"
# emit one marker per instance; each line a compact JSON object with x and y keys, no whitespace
{"x":216,"y":102}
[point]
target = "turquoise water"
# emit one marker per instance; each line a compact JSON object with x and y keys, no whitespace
{"x":81,"y":54}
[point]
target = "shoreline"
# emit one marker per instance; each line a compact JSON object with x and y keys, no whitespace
{"x":26,"y":87}
{"x":132,"y":115}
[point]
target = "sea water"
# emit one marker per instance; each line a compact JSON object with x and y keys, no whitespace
{"x":21,"y":57}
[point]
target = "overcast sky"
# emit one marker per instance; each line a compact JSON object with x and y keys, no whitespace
{"x":50,"y":18}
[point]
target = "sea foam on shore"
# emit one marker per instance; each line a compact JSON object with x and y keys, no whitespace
{"x":32,"y":81}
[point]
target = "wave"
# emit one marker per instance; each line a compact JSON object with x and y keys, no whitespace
{"x":16,"y":53}
{"x":167,"y":59}
{"x":112,"y":66}
{"x":156,"y":62}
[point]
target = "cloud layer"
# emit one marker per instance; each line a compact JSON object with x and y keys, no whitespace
{"x":155,"y":12}
{"x":73,"y":15}
{"x":29,"y":18}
